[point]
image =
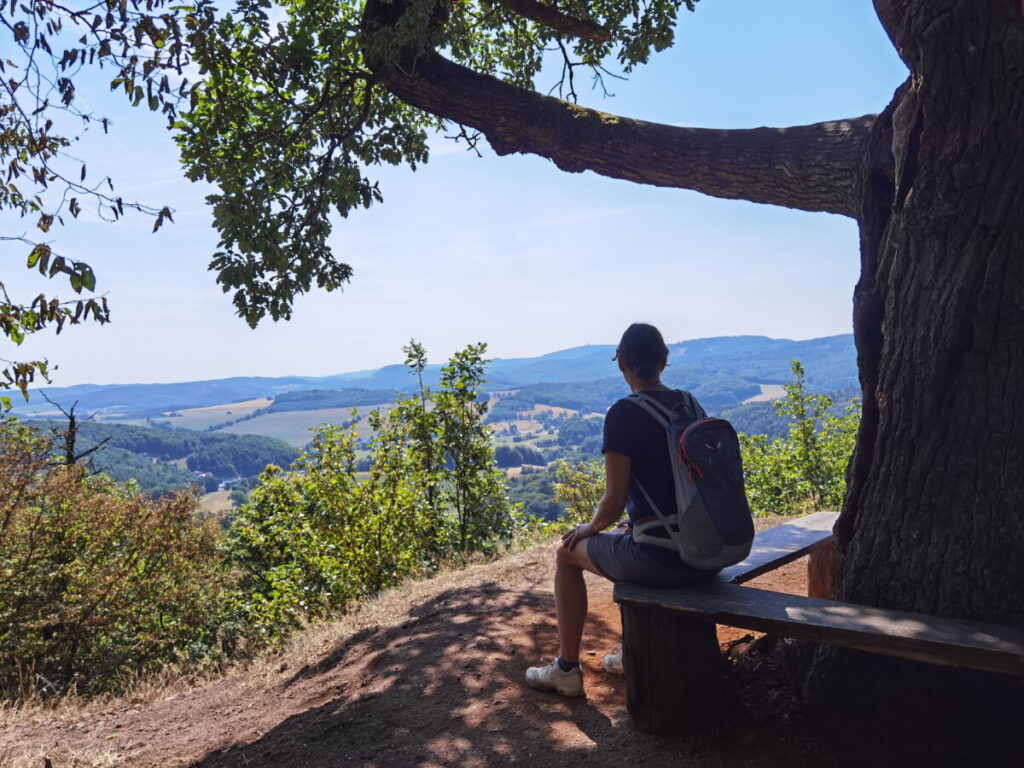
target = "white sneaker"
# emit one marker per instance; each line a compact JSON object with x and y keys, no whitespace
{"x":613,"y":662}
{"x":551,"y":678}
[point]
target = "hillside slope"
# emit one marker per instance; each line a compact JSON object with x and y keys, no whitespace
{"x":427,"y":675}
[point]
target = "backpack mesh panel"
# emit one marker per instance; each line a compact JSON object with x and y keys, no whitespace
{"x":701,"y":538}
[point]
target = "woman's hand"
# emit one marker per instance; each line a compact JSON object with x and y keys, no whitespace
{"x":575,"y":535}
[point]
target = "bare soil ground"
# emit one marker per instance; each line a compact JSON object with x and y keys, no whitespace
{"x":428,"y":675}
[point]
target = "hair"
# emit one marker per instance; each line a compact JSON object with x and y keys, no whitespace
{"x":643,"y":351}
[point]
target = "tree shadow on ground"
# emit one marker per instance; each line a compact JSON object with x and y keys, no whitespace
{"x":443,"y":688}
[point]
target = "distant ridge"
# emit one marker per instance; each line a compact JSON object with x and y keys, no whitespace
{"x":753,"y":360}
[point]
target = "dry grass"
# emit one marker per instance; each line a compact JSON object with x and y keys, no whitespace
{"x":217,"y":501}
{"x":769,"y":392}
{"x":59,"y":757}
{"x":169,"y":682}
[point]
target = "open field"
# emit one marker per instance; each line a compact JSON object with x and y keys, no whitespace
{"x":768,"y":392}
{"x":218,"y":501}
{"x":293,"y":427}
{"x":201,"y":418}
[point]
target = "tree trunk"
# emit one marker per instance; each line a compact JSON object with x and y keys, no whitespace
{"x":933,"y":519}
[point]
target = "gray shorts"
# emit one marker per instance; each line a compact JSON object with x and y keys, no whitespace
{"x":619,"y":558}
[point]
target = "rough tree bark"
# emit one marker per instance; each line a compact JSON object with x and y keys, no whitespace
{"x":934,"y":517}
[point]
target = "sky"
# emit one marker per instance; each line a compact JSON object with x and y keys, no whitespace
{"x":509,"y":251}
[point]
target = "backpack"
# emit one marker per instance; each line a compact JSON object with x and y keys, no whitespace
{"x":712,"y":526}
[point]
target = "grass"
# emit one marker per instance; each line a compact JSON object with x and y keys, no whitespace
{"x":218,"y":501}
{"x":59,"y":757}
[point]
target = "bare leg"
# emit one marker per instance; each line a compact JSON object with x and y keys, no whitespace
{"x":571,"y":597}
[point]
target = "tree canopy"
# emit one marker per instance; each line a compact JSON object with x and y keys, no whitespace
{"x":284,"y":107}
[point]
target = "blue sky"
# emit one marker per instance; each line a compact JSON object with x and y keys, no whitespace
{"x":510,"y":250}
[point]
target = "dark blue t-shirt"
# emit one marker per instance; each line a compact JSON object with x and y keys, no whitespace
{"x":631,"y":431}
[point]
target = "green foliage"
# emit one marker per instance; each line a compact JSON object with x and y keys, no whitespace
{"x":98,"y":582}
{"x":473,"y":487}
{"x":284,"y":124}
{"x":315,"y":399}
{"x":290,"y":118}
{"x":534,"y":493}
{"x":44,"y":181}
{"x":228,"y":456}
{"x":807,"y":467}
{"x":579,"y":488}
{"x":760,"y":418}
{"x":576,"y":429}
{"x":531,"y":455}
{"x":506,"y":456}
{"x":313,"y":540}
{"x":150,"y":476}
{"x":317,"y":538}
{"x":142,"y":454}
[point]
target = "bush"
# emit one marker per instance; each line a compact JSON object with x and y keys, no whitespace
{"x":99,"y":582}
{"x":579,"y":487}
{"x":806,"y":469}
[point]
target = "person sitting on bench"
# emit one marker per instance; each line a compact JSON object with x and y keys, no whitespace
{"x":634,"y":450}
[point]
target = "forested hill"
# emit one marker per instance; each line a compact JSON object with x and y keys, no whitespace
{"x":723,"y":371}
{"x":161,"y":460}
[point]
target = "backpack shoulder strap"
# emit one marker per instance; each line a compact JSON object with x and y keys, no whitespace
{"x":698,"y":411}
{"x":660,"y":413}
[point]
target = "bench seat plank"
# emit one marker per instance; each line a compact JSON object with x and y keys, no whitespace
{"x":932,"y":639}
{"x":782,"y":544}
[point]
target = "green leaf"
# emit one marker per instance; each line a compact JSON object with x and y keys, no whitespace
{"x":39,"y":252}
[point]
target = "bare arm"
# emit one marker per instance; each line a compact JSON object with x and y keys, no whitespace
{"x":613,"y":502}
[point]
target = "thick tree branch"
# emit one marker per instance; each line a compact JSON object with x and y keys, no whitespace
{"x":558,"y":21}
{"x":811,"y":167}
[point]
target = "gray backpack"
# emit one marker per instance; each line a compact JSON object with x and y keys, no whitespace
{"x":711,"y":526}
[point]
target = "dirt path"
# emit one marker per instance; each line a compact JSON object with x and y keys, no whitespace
{"x":428,"y":676}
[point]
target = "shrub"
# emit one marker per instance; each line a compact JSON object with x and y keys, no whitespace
{"x":579,"y":488}
{"x":805,"y":469}
{"x":98,"y":581}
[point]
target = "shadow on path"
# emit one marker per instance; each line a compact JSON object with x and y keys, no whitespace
{"x":443,"y":688}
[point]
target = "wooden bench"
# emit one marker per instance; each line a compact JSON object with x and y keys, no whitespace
{"x":670,"y":647}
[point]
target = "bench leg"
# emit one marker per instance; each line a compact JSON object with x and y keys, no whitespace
{"x":821,"y":572}
{"x":673,"y":668}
